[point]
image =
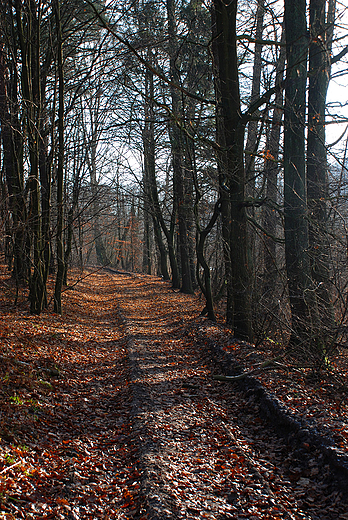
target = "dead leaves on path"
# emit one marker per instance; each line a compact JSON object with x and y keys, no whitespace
{"x":71,"y":446}
{"x":212,"y":455}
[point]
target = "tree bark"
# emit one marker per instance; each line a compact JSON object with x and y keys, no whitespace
{"x":177,"y":147}
{"x":45,"y":172}
{"x":60,"y":167}
{"x":317,"y":178}
{"x":239,"y":285}
{"x":29,"y":42}
{"x":149,"y":164}
{"x":252,"y":141}
{"x":12,"y":164}
{"x":295,"y":191}
{"x":272,"y":168}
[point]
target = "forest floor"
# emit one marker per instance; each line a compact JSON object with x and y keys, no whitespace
{"x":111,"y":411}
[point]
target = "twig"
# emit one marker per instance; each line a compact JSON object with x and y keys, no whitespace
{"x":68,"y":287}
{"x":50,"y":371}
{"x":15,"y":361}
{"x":10,"y":467}
{"x":264,"y":365}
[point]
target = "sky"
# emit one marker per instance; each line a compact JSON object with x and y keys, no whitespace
{"x":337,"y":97}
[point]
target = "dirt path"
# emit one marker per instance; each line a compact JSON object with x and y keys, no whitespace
{"x":204,"y":451}
{"x":133,"y":425}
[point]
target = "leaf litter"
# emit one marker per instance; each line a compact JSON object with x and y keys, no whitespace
{"x":110,"y":411}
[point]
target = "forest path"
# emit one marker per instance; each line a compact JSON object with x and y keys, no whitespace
{"x":204,"y":452}
{"x":132,"y":425}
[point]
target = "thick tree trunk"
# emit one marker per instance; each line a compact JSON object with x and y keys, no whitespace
{"x":295,"y":192}
{"x":239,"y":285}
{"x":221,"y":157}
{"x":177,"y":147}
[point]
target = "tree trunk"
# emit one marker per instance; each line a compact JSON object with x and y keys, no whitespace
{"x":149,"y":163}
{"x":252,"y":141}
{"x":158,"y":219}
{"x":150,"y":185}
{"x":295,"y":192}
{"x":189,"y":173}
{"x":317,"y":178}
{"x":102,"y":256}
{"x":146,"y":267}
{"x":60,"y":167}
{"x":71,"y":214}
{"x":177,"y":147}
{"x":271,"y":175}
{"x":12,"y":164}
{"x":45,"y":160}
{"x":205,"y":284}
{"x":239,"y":285}
{"x":29,"y":40}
